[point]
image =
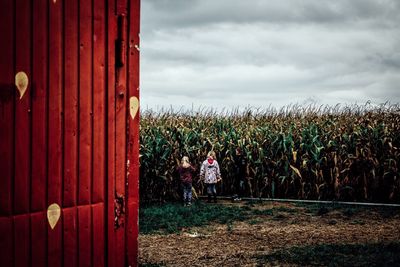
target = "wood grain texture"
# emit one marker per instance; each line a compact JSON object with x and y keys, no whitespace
{"x":22,"y":109}
{"x":39,"y":106}
{"x":98,"y":254}
{"x":110,"y":155}
{"x":120,"y":132}
{"x":85,"y":102}
{"x":21,"y":240}
{"x":99,"y":97}
{"x":55,"y":148}
{"x":7,"y":95}
{"x":133,"y":136}
{"x":71,"y":68}
{"x":70,"y":239}
{"x":6,"y":241}
{"x":84,"y":236}
{"x":39,"y":238}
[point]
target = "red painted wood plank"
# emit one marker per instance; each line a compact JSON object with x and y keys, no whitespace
{"x":85,"y":101}
{"x":55,"y":103}
{"x":54,"y":185}
{"x":54,"y":244}
{"x":7,"y":92}
{"x":110,"y":156}
{"x":120,"y":153}
{"x":99,"y":115}
{"x":21,"y":240}
{"x":122,"y":7}
{"x":22,"y":109}
{"x":84,"y":234}
{"x":133,"y":136}
{"x":6,"y":241}
{"x":39,"y":106}
{"x":70,"y":237}
{"x":39,"y":238}
{"x":98,"y":234}
{"x":71,"y":103}
{"x":120,"y":131}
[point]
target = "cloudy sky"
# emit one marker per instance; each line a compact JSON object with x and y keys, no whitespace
{"x":260,"y":53}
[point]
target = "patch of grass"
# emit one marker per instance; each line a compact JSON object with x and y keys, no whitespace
{"x":172,"y":217}
{"x":279,"y":217}
{"x":321,"y":209}
{"x":348,"y":212}
{"x":250,"y":203}
{"x":286,"y":209}
{"x":376,"y":254}
{"x":309,"y":207}
{"x":255,"y":221}
{"x":266,"y":212}
{"x":388,"y":212}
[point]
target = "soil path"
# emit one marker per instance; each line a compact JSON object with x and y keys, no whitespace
{"x":245,"y":243}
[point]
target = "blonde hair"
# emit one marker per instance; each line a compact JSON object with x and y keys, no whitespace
{"x":185,"y":161}
{"x":211,"y":154}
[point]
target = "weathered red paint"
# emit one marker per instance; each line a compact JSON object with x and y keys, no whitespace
{"x":70,"y":139}
{"x":133,"y":143}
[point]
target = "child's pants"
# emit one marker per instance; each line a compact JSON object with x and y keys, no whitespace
{"x":187,"y":192}
{"x":212,"y":190}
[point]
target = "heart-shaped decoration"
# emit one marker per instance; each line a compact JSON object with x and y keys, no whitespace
{"x":21,"y":81}
{"x":133,"y":106}
{"x":53,"y":214}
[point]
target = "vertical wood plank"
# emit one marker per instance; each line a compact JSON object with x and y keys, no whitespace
{"x":98,"y":102}
{"x":98,"y":234}
{"x":6,"y":241}
{"x":122,"y":7}
{"x":21,"y":240}
{"x":38,"y":241}
{"x":133,"y":135}
{"x":71,"y":103}
{"x":85,"y":101}
{"x":84,"y":234}
{"x":110,"y":155}
{"x":22,"y":108}
{"x":54,"y":185}
{"x":7,"y":93}
{"x":120,"y":136}
{"x":70,"y":237}
{"x":39,"y":106}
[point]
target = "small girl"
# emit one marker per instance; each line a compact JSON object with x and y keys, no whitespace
{"x":211,"y":174}
{"x":186,"y":173}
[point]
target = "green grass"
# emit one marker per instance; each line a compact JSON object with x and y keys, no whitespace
{"x":321,"y":209}
{"x":377,"y":254}
{"x":266,"y":212}
{"x":172,"y":217}
{"x":255,"y":221}
{"x":286,"y":209}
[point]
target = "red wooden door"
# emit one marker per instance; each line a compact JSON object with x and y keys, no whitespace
{"x":69,"y":132}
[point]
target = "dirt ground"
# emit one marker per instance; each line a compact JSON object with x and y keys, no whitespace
{"x":245,"y":243}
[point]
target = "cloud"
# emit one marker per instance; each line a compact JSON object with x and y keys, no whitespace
{"x":233,"y":53}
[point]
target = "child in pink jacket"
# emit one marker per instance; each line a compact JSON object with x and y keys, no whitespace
{"x":211,"y":175}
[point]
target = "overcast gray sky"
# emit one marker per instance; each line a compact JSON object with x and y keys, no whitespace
{"x":239,"y":53}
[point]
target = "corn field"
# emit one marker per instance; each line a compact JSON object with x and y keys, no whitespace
{"x":315,"y":152}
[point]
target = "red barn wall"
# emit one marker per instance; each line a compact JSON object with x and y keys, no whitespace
{"x":72,"y":138}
